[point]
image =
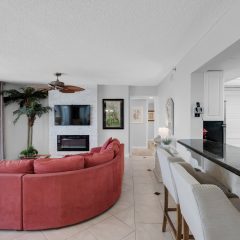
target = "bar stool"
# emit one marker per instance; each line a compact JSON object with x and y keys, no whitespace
{"x":169,"y":187}
{"x":206,"y":210}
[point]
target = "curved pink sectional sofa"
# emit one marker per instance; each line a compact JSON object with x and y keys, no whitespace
{"x":53,"y":200}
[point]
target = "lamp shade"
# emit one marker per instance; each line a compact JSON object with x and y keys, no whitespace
{"x":163,"y":132}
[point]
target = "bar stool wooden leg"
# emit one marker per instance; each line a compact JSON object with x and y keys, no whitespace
{"x":165,"y":210}
{"x":185,"y":230}
{"x":179,"y":223}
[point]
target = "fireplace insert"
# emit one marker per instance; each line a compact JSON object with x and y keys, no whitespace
{"x":73,"y":142}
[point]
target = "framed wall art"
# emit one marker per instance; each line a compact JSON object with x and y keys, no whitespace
{"x":113,"y":113}
{"x":136,"y":114}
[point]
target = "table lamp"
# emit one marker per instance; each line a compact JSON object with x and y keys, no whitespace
{"x":165,"y":136}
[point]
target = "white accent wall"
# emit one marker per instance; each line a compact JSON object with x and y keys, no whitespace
{"x":87,"y":97}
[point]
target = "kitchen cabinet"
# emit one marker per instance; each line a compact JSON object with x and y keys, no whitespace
{"x":213,"y":96}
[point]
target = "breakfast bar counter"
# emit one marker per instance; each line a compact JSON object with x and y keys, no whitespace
{"x":224,"y":155}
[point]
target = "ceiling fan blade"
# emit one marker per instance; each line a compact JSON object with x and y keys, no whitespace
{"x":73,"y":88}
{"x":61,"y":87}
{"x":66,"y":91}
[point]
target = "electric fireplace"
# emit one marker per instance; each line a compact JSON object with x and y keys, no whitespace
{"x":73,"y":142}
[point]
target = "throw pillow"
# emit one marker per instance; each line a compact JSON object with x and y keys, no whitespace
{"x":99,"y":158}
{"x":104,"y":146}
{"x":115,"y":146}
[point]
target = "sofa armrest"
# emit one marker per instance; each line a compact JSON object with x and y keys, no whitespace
{"x":11,"y":201}
{"x":95,"y":150}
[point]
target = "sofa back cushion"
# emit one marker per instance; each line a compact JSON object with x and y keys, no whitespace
{"x":16,"y":166}
{"x":53,"y":165}
{"x":80,"y":154}
{"x":104,"y":146}
{"x":99,"y":158}
{"x":114,"y":145}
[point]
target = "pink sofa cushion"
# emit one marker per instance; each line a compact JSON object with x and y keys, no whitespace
{"x":114,"y":145}
{"x":99,"y":158}
{"x":53,"y":165}
{"x":104,"y":146}
{"x":16,"y":166}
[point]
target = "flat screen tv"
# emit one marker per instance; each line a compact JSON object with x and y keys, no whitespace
{"x":72,"y":114}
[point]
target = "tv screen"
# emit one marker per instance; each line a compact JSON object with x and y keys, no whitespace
{"x":72,"y":114}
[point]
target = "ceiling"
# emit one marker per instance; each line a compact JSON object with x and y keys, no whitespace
{"x":233,"y":83}
{"x":229,"y":62}
{"x":132,"y":42}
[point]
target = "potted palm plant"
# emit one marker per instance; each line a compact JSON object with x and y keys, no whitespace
{"x":28,"y":100}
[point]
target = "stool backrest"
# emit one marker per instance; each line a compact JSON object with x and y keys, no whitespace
{"x":165,"y":159}
{"x":189,"y":208}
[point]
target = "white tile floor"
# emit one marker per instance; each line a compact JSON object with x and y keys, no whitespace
{"x":136,"y":216}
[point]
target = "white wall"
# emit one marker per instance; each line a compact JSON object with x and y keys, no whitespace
{"x":178,"y":85}
{"x":138,"y":131}
{"x":88,"y":97}
{"x":143,"y":91}
{"x":197,"y":95}
{"x":15,"y":135}
{"x":108,"y":92}
{"x":232,"y":97}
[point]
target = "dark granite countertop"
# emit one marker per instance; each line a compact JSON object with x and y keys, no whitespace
{"x":224,"y":155}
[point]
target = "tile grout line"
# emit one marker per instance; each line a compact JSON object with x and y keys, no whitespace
{"x":87,"y":228}
{"x":127,"y":235}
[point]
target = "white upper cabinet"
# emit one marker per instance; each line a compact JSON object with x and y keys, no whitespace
{"x":213,"y":96}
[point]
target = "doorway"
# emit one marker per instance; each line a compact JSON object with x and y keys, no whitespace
{"x":142,"y":125}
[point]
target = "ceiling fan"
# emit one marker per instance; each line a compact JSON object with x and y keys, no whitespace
{"x":61,"y":87}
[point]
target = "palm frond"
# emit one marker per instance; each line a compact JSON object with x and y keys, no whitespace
{"x":11,"y":96}
{"x":19,"y":112}
{"x":28,"y":100}
{"x":23,"y":96}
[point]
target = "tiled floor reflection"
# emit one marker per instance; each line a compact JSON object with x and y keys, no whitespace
{"x":136,"y":216}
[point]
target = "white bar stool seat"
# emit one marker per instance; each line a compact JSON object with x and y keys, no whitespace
{"x":206,"y":210}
